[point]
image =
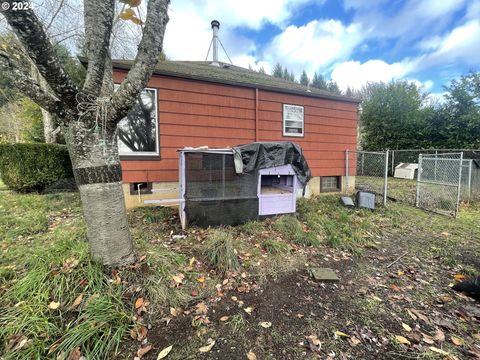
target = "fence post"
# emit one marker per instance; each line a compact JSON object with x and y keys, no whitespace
{"x":459,"y":184}
{"x":470,"y":163}
{"x":385,"y":180}
{"x":418,"y":179}
{"x":346,"y":171}
{"x":436,"y":164}
{"x":363,"y":163}
{"x":393,"y":162}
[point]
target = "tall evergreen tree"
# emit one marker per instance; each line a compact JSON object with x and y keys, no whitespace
{"x":278,"y":71}
{"x":332,"y":86}
{"x":319,"y":82}
{"x":304,"y":80}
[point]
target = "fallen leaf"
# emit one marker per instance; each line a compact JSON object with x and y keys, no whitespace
{"x":192,"y":260}
{"x":142,"y":333}
{"x":173,"y":311}
{"x":376,"y":298}
{"x":178,"y":278}
{"x":251,"y":356}
{"x":77,"y":300}
{"x":224,"y":318}
{"x":400,"y":273}
{"x":439,"y":336}
{"x":54,"y":305}
{"x":438,"y":351}
{"x":402,"y":340}
{"x":201,"y":308}
{"x":420,"y":315}
{"x":249,"y":309}
{"x":428,"y":339}
{"x":459,"y":277}
{"x":265,"y":324}
{"x":207,"y":348}
{"x":313,"y":343}
{"x":139,"y":303}
{"x":143,"y":350}
{"x":201,"y":279}
{"x":395,"y":288}
{"x":162,"y":354}
{"x":117,"y":280}
{"x":75,"y":354}
{"x":341,"y":334}
{"x":412,"y":315}
{"x":457,"y":341}
{"x":354,"y":341}
{"x":406,"y":327}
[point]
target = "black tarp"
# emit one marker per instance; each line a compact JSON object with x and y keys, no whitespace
{"x":262,"y":155}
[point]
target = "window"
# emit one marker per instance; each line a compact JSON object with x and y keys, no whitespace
{"x":144,"y":187}
{"x":138,"y":131}
{"x":292,"y":120}
{"x":330,"y":184}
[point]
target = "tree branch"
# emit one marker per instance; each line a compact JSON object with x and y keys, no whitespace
{"x":31,"y":34}
{"x":32,"y":89}
{"x":148,"y":53}
{"x":98,"y":17}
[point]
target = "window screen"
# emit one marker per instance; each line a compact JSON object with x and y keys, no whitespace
{"x":293,"y":120}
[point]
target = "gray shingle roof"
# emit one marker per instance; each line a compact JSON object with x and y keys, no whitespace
{"x":233,"y":75}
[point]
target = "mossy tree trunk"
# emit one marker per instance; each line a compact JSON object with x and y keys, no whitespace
{"x":92,"y":143}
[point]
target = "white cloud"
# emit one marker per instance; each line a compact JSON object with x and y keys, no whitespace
{"x":188,"y":33}
{"x":462,"y":44}
{"x":315,"y":45}
{"x":412,"y":19}
{"x":355,"y":74}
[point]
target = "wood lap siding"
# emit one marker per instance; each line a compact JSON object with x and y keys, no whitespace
{"x":195,"y":113}
{"x":330,"y":128}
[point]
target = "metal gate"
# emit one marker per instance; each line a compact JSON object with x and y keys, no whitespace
{"x":439,"y":182}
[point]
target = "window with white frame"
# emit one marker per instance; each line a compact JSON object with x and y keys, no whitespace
{"x":138,"y":131}
{"x":292,"y":120}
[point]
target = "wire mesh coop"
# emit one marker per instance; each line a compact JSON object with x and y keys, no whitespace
{"x":213,"y":192}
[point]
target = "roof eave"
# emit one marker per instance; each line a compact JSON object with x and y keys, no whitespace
{"x":247,"y":85}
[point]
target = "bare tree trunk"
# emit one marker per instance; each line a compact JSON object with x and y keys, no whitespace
{"x":47,"y":118}
{"x":98,"y":175}
{"x":49,"y":127}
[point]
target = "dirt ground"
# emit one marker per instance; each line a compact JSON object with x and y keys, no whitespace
{"x":393,"y":301}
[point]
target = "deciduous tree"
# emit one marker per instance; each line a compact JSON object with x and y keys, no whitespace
{"x":89,"y":114}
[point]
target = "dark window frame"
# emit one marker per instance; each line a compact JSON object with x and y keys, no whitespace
{"x":324,"y":189}
{"x":146,"y":155}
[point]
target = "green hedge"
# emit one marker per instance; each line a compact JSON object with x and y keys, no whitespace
{"x":33,"y":167}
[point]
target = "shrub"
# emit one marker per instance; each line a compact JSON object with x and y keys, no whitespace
{"x":33,"y":167}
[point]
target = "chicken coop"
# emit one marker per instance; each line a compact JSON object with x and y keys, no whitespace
{"x":233,"y":186}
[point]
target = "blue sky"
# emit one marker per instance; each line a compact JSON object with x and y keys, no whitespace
{"x":429,"y":42}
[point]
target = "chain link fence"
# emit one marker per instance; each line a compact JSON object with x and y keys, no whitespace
{"x":439,"y":182}
{"x":444,"y":183}
{"x":371,"y":172}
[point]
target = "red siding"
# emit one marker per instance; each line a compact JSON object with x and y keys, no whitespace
{"x":195,"y":113}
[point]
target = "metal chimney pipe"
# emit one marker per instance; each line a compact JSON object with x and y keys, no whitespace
{"x":215,"y":26}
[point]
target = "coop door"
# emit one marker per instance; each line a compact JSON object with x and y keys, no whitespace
{"x":276,"y":194}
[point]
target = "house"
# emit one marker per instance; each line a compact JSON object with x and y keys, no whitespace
{"x":219,"y":105}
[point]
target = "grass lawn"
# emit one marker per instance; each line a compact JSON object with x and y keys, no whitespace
{"x":229,"y":292}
